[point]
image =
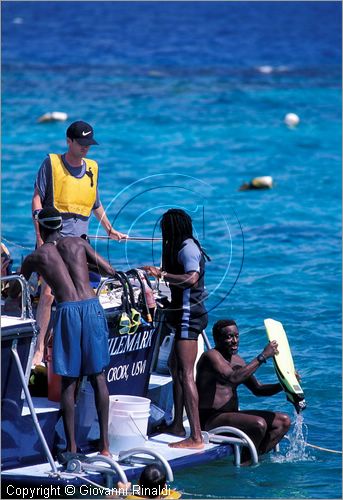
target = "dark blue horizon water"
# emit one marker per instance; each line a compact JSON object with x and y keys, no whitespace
{"x":187,"y":100}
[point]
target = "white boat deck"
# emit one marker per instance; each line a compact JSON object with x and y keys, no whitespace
{"x":43,"y":405}
{"x":157,"y":380}
{"x":7,"y":321}
{"x":158,"y":443}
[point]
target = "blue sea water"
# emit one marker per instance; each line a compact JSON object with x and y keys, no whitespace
{"x":187,"y":101}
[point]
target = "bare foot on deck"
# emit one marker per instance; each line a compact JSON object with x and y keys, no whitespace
{"x":170,"y":429}
{"x":105,"y":453}
{"x":188,"y":443}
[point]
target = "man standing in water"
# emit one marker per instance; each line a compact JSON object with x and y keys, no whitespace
{"x":80,"y":342}
{"x":219,"y":372}
{"x":69,"y":182}
{"x":183,"y":267}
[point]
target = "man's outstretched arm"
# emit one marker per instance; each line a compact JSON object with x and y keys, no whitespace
{"x":185,"y":280}
{"x":239,"y":375}
{"x":102,"y":266}
{"x":100,"y":214}
{"x":259,"y":389}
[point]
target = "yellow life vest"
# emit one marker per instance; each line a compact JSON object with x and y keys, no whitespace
{"x":172,"y":495}
{"x":71,"y":194}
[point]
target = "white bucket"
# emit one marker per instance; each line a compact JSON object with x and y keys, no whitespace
{"x":163,"y":356}
{"x":128,"y":422}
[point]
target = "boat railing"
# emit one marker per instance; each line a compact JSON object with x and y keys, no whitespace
{"x":76,"y":467}
{"x":112,"y":296}
{"x":242,"y":439}
{"x":31,"y":407}
{"x":103,"y":283}
{"x":14,"y":325}
{"x":24,"y":291}
{"x":206,"y":340}
{"x":134,"y":456}
{"x":26,"y":305}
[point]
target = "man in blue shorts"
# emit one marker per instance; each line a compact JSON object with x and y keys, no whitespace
{"x":80,"y":344}
{"x":68,"y":182}
{"x":183,"y":267}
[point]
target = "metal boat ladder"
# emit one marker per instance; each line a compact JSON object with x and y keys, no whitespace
{"x":134,"y":456}
{"x":238,"y":441}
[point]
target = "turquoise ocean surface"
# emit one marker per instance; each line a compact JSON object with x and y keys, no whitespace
{"x":188,"y":102}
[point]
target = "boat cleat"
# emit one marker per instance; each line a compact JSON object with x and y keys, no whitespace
{"x":74,"y":466}
{"x":205,"y":437}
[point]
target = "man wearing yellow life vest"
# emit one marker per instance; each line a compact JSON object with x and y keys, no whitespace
{"x":69,"y":182}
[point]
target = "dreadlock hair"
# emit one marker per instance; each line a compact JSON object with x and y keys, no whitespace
{"x":176,"y":226}
{"x":219,"y":325}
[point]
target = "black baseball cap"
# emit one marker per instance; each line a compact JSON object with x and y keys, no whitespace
{"x":81,"y":132}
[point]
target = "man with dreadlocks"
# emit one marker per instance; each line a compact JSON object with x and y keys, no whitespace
{"x":183,"y":267}
{"x":80,"y":344}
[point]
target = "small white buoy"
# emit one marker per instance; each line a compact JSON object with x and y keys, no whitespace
{"x":291,"y":119}
{"x":18,"y":20}
{"x":264,"y":182}
{"x":266,"y":69}
{"x":154,"y":72}
{"x":54,"y":116}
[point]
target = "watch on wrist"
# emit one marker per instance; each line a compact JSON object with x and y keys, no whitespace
{"x":261,"y":359}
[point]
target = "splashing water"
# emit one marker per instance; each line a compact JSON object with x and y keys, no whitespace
{"x":297,"y":443}
{"x":297,"y":440}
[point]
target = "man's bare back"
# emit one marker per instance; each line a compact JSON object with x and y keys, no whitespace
{"x":80,"y":338}
{"x":63,"y":263}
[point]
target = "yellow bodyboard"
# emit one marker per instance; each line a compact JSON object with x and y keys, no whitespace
{"x":283,"y":364}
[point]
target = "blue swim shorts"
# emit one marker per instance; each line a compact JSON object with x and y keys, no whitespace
{"x":80,"y":343}
{"x":189,"y":328}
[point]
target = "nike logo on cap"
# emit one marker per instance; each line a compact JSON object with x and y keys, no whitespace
{"x":86,"y":133}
